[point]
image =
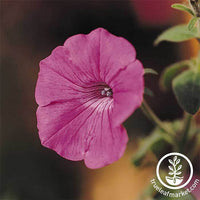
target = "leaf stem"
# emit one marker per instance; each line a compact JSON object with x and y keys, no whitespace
{"x":153,"y":117}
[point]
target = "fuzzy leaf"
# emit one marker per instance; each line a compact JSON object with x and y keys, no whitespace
{"x":171,"y":72}
{"x":160,"y":147}
{"x":182,"y":7}
{"x":156,"y":142}
{"x":192,"y":23}
{"x":186,"y":87}
{"x":146,"y":145}
{"x":171,"y":173}
{"x":177,"y":34}
{"x":178,"y":173}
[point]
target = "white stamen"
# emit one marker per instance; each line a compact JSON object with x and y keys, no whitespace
{"x":103,"y":92}
{"x":106,"y":89}
{"x":107,"y":92}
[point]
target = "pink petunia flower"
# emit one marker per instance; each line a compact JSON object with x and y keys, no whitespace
{"x":85,"y":90}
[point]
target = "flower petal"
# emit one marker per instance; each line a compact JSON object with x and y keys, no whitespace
{"x":100,"y":53}
{"x":83,"y":59}
{"x":59,"y":79}
{"x":58,"y":126}
{"x":115,"y":54}
{"x":128,"y":87}
{"x":84,"y":53}
{"x":107,"y":143}
{"x":82,"y":134}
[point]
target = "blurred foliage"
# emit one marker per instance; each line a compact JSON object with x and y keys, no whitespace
{"x":186,"y":87}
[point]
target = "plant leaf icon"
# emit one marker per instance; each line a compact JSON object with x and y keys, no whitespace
{"x":170,"y":161}
{"x":179,"y":167}
{"x":175,"y":158}
{"x":178,"y":161}
{"x":170,"y":167}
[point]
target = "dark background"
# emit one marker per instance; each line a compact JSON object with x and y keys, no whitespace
{"x":29,"y":32}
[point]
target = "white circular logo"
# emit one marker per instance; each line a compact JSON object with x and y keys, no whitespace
{"x":174,"y":179}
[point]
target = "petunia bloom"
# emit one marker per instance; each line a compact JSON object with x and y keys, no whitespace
{"x":85,"y":90}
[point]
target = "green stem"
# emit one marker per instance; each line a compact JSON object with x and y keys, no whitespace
{"x":153,"y":117}
{"x":198,"y":28}
{"x":185,"y":132}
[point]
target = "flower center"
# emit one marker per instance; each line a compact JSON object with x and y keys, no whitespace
{"x":107,"y":92}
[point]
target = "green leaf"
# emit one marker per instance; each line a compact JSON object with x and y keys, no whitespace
{"x":186,"y":87}
{"x":182,"y":7}
{"x":145,"y":147}
{"x":156,"y":140}
{"x":171,"y":72}
{"x":192,"y":23}
{"x":150,"y":71}
{"x":148,"y":92}
{"x":159,"y":147}
{"x":177,"y":34}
